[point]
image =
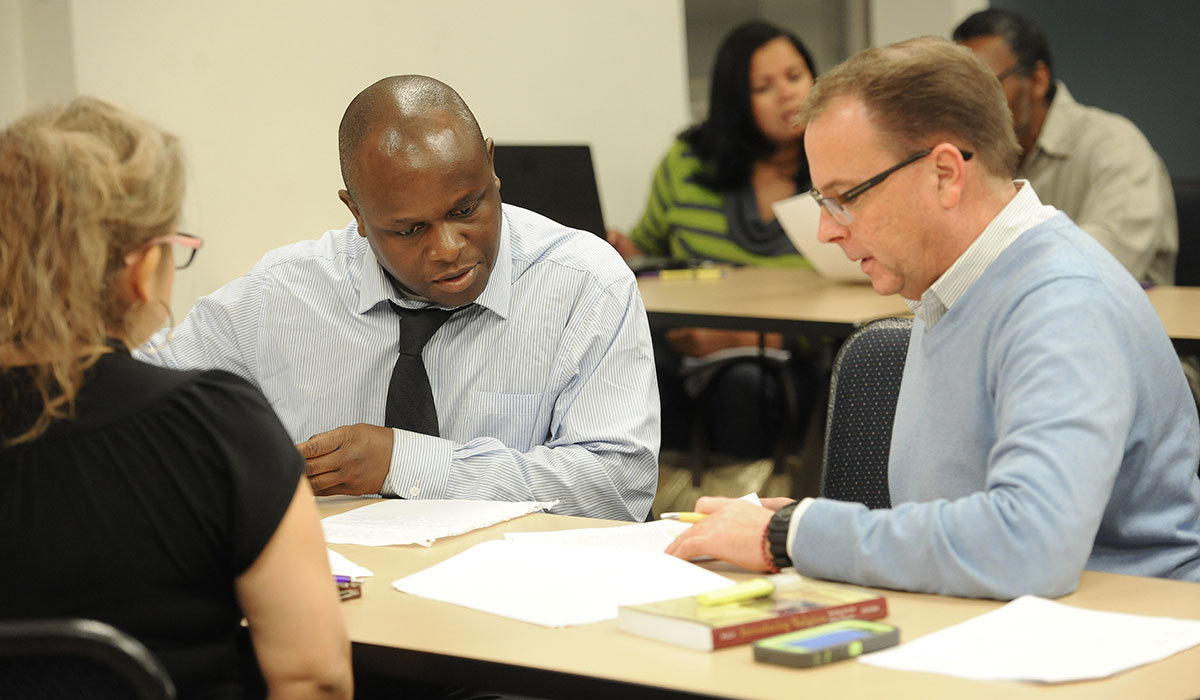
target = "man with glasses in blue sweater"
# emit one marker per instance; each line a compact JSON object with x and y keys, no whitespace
{"x":1043,"y":424}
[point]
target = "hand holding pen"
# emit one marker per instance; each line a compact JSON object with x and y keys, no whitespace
{"x":732,"y":530}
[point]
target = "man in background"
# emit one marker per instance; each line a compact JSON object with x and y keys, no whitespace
{"x":1094,"y":165}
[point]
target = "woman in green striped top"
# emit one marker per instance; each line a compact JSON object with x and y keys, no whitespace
{"x":712,"y":194}
{"x":711,"y":200}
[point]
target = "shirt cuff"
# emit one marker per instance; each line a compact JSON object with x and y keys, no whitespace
{"x":801,"y":508}
{"x":420,"y":466}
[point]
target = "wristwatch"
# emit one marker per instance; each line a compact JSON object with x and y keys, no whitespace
{"x":777,"y":536}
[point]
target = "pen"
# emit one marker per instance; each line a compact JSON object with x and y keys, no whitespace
{"x":687,"y":517}
{"x":748,"y":590}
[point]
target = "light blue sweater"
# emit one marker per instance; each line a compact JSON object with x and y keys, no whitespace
{"x":1044,"y":426}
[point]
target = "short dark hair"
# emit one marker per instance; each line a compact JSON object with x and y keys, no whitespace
{"x":729,"y":140}
{"x":1024,"y":38}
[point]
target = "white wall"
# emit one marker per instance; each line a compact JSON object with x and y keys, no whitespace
{"x":12,"y":62}
{"x":256,"y":90}
{"x":893,"y":21}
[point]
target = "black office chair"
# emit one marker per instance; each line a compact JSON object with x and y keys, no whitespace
{"x":75,"y":659}
{"x":1187,"y":211}
{"x":862,"y":404}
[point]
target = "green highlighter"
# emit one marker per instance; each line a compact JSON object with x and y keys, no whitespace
{"x":826,"y":643}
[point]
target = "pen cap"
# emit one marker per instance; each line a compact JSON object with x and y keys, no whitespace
{"x":786,"y":579}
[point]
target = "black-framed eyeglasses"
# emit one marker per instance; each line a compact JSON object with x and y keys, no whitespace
{"x":183,"y":247}
{"x":835,"y":204}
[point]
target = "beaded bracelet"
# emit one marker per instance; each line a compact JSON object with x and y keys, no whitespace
{"x":766,"y":550}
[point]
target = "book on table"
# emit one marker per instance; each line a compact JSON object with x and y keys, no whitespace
{"x":796,"y":602}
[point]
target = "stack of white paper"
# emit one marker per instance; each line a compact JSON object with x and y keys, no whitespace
{"x":399,"y":521}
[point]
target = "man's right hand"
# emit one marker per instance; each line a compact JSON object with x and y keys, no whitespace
{"x":732,"y":532}
{"x":353,"y":459}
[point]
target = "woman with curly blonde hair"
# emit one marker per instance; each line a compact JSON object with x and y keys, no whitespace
{"x":168,"y":504}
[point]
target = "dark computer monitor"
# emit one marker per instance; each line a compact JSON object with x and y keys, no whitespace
{"x":557,"y":181}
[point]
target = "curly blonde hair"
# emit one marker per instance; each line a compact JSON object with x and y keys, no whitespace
{"x":81,"y":185}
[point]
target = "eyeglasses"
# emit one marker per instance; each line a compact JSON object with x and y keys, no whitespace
{"x":835,"y":204}
{"x":183,"y":247}
{"x":1008,"y":71}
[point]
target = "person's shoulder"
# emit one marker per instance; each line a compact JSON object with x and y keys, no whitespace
{"x":207,"y":401}
{"x":1059,"y":251}
{"x":538,"y":244}
{"x":216,"y":394}
{"x":230,"y":410}
{"x":333,"y":247}
{"x":682,"y":158}
{"x":1084,"y":125}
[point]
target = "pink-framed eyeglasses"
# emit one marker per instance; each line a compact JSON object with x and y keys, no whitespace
{"x":183,"y":245}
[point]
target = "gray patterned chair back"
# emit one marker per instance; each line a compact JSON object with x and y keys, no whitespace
{"x":862,"y":404}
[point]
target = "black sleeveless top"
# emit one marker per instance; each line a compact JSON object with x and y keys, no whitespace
{"x":142,"y":510}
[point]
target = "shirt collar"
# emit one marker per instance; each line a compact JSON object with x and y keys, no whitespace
{"x":377,"y":288}
{"x":1022,"y":213}
{"x":1058,"y":128}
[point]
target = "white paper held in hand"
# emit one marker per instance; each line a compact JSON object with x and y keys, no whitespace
{"x":800,"y":215}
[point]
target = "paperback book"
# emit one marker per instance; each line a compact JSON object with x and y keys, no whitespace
{"x":796,"y":603}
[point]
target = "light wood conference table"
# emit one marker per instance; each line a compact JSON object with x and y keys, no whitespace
{"x":801,"y":301}
{"x":767,"y":299}
{"x":1179,"y":309}
{"x":404,"y":636}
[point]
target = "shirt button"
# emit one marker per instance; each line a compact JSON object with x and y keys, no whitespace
{"x":414,"y":492}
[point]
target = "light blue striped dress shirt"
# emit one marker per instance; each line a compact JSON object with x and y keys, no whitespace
{"x":545,"y":388}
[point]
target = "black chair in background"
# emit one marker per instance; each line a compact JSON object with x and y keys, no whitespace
{"x":75,"y":659}
{"x":862,"y":404}
{"x":1187,"y":211}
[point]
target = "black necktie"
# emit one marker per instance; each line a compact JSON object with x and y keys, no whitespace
{"x":409,"y":398}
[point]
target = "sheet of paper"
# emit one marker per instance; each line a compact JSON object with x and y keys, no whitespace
{"x":339,"y":565}
{"x":653,"y":536}
{"x":1034,"y":639}
{"x":400,"y":521}
{"x":557,"y":585}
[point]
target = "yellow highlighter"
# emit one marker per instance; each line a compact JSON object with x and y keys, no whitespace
{"x":692,"y":273}
{"x":749,"y":590}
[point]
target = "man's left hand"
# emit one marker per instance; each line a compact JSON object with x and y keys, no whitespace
{"x":353,"y":459}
